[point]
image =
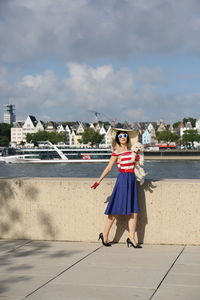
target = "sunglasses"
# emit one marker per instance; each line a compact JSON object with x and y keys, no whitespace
{"x":122,"y":135}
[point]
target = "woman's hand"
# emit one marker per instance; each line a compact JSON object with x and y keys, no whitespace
{"x":95,"y":185}
{"x":112,"y":160}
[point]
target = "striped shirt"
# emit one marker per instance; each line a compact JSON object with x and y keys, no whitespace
{"x":127,"y":161}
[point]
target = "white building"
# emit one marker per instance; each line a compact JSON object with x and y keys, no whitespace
{"x":39,"y":126}
{"x":29,"y":126}
{"x":108,"y":137}
{"x":197,"y":125}
{"x":188,"y":126}
{"x":9,"y":113}
{"x":80,"y":129}
{"x":161,"y":126}
{"x":16,"y":134}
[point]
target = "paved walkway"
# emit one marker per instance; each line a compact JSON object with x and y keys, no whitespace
{"x":64,"y":270}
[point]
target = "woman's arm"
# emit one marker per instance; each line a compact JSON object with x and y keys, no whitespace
{"x":112,"y":161}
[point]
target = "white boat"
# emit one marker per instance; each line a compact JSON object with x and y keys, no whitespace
{"x":50,"y":153}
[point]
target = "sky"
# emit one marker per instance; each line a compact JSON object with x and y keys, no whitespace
{"x":129,"y":60}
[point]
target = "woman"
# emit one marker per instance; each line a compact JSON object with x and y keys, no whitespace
{"x":124,"y":198}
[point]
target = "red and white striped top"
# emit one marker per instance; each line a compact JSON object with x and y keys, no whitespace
{"x":127,"y":161}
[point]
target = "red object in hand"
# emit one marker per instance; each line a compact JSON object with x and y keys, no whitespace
{"x":95,"y":185}
{"x":137,"y":157}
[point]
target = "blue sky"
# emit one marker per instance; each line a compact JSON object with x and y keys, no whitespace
{"x":131,"y":60}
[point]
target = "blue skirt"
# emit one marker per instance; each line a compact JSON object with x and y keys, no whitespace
{"x":124,"y":198}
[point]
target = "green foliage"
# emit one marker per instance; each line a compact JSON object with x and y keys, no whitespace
{"x":90,"y":136}
{"x":5,"y":129}
{"x":176,"y":124}
{"x":106,"y":123}
{"x":190,"y":136}
{"x":53,"y":137}
{"x":4,"y":134}
{"x":4,"y":141}
{"x":167,"y":136}
{"x":192,"y":120}
{"x":69,"y":123}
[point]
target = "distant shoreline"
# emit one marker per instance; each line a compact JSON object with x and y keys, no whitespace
{"x":166,"y":157}
{"x":172,"y":155}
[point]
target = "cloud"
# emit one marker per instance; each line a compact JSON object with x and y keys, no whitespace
{"x":96,"y":88}
{"x":85,"y":88}
{"x":118,"y":93}
{"x":82,"y":30}
{"x":136,"y":114}
{"x":155,"y":76}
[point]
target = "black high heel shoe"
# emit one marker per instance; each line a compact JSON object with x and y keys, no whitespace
{"x":102,"y":239}
{"x":128,"y":241}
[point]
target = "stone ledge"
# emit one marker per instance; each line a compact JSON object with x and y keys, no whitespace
{"x":68,"y":209}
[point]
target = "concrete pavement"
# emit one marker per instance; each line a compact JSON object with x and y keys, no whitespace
{"x":37,"y":270}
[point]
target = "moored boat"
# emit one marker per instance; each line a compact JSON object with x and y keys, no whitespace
{"x":47,"y":152}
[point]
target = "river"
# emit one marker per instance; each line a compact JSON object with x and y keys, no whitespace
{"x":156,"y":169}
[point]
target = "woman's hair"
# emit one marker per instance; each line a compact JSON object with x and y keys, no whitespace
{"x":117,"y":139}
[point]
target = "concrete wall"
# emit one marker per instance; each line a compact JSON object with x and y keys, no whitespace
{"x":67,"y":209}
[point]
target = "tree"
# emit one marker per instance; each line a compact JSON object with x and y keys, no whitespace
{"x":53,"y":137}
{"x":167,"y":136}
{"x":4,"y":141}
{"x":190,"y":136}
{"x":4,"y":134}
{"x":69,"y":123}
{"x":176,"y":124}
{"x":91,"y":136}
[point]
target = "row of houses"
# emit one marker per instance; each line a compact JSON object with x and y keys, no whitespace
{"x":149,"y":133}
{"x":73,"y":130}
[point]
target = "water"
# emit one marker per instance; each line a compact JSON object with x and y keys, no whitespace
{"x":157,"y":169}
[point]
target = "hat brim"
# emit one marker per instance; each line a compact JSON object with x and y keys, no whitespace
{"x":133,"y":136}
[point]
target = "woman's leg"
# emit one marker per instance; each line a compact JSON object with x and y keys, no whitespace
{"x":108,"y":225}
{"x":132,"y":223}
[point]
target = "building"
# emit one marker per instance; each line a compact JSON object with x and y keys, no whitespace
{"x":29,"y":126}
{"x":197,"y":125}
{"x":73,"y":131}
{"x":39,"y":126}
{"x":161,"y":126}
{"x":16,"y":134}
{"x":9,"y":113}
{"x":51,"y":126}
{"x":146,"y":137}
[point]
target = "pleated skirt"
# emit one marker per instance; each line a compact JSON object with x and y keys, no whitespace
{"x":124,"y":198}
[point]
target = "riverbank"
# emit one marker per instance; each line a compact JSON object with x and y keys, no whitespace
{"x":172,"y":157}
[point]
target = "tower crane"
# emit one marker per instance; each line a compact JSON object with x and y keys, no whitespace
{"x":96,"y":113}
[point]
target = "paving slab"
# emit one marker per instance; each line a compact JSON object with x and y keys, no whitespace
{"x":11,"y":298}
{"x":183,"y":280}
{"x":39,"y":270}
{"x":10,"y":245}
{"x":28,"y":267}
{"x":155,"y":256}
{"x":191,"y":255}
{"x":175,"y":292}
{"x":122,"y":266}
{"x":83,"y":292}
{"x":20,"y":285}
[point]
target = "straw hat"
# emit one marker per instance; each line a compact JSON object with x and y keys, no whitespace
{"x":133,"y":137}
